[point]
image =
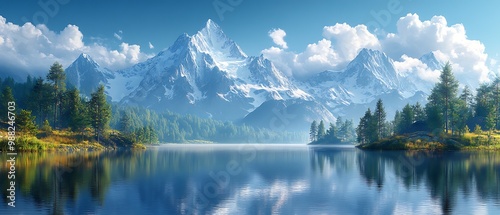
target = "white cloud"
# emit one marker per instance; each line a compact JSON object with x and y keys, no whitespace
{"x":340,"y":44}
{"x":151,"y":46}
{"x":32,"y":49}
{"x":349,"y":40}
{"x":413,"y":38}
{"x":449,"y":43}
{"x":278,"y":36}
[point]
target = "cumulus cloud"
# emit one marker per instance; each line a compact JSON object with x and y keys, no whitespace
{"x":151,"y":46}
{"x":278,"y":36}
{"x":412,"y":39}
{"x":32,"y":49}
{"x":340,"y":44}
{"x":449,"y":43}
{"x":349,"y":40}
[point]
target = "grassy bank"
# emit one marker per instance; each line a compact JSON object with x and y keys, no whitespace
{"x":426,"y":141}
{"x":65,"y":140}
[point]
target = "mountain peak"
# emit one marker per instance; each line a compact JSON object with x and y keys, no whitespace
{"x":212,"y":40}
{"x":86,"y":58}
{"x":431,"y":61}
{"x":212,"y":25}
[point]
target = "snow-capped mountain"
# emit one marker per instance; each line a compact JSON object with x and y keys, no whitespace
{"x":204,"y":74}
{"x":369,"y":76}
{"x":86,"y":75}
{"x":207,"y":74}
{"x":431,"y":61}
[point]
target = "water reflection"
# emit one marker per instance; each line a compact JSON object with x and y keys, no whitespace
{"x":255,"y":179}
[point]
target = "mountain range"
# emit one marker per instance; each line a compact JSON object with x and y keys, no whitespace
{"x":208,"y":75}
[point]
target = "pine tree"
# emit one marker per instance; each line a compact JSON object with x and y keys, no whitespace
{"x":40,"y":99}
{"x":444,"y":94}
{"x":419,"y":112}
{"x":76,"y":112}
{"x":100,"y":112}
{"x":366,"y":130}
{"x":46,"y":127}
{"x":321,"y":130}
{"x":380,"y":117}
{"x":313,"y":131}
{"x":26,"y":123}
{"x":4,"y":102}
{"x":407,"y":117}
{"x":57,"y":77}
{"x":125,"y":124}
{"x":398,"y":128}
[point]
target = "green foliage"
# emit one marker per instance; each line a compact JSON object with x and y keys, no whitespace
{"x":76,"y":111}
{"x":443,"y":96}
{"x":26,"y":123}
{"x":57,"y":77}
{"x":478,"y":130}
{"x":313,"y":131}
{"x":321,"y":130}
{"x":46,"y":127}
{"x":99,"y":112}
{"x":380,"y":120}
{"x":5,"y":98}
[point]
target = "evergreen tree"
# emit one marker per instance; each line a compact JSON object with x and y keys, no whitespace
{"x":330,"y":133}
{"x":4,"y":102}
{"x":380,"y":118}
{"x":125,"y":125}
{"x":46,"y":127}
{"x":100,"y":112}
{"x":76,"y":112}
{"x":338,"y":126}
{"x":26,"y":123}
{"x":313,"y":131}
{"x":444,"y":94}
{"x":407,"y":117}
{"x":57,"y":78}
{"x":40,"y":99}
{"x":398,"y":128}
{"x":321,"y":130}
{"x":366,"y":130}
{"x":419,"y":112}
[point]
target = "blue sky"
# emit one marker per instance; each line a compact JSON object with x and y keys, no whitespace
{"x":248,"y":22}
{"x":160,"y":22}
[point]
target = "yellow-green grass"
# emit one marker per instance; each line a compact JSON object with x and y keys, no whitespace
{"x":424,"y":141}
{"x":60,"y":140}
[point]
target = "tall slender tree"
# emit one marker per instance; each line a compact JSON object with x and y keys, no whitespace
{"x":100,"y":112}
{"x":4,"y":101}
{"x":444,"y":93}
{"x":313,"y":131}
{"x":321,"y":130}
{"x":57,"y":78}
{"x":380,"y":118}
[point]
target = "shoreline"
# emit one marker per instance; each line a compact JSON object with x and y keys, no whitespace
{"x":429,"y":142}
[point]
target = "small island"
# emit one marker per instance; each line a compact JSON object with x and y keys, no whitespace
{"x":443,"y":124}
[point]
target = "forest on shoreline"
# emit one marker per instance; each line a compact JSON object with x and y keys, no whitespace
{"x":49,"y":111}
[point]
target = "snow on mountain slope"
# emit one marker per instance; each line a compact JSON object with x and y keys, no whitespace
{"x":203,"y":74}
{"x":207,"y":74}
{"x":365,"y":78}
{"x":86,"y":75}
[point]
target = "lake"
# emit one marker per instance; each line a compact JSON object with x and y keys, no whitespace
{"x":254,"y":179}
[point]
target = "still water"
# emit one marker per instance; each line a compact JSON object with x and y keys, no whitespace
{"x":254,"y":179}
